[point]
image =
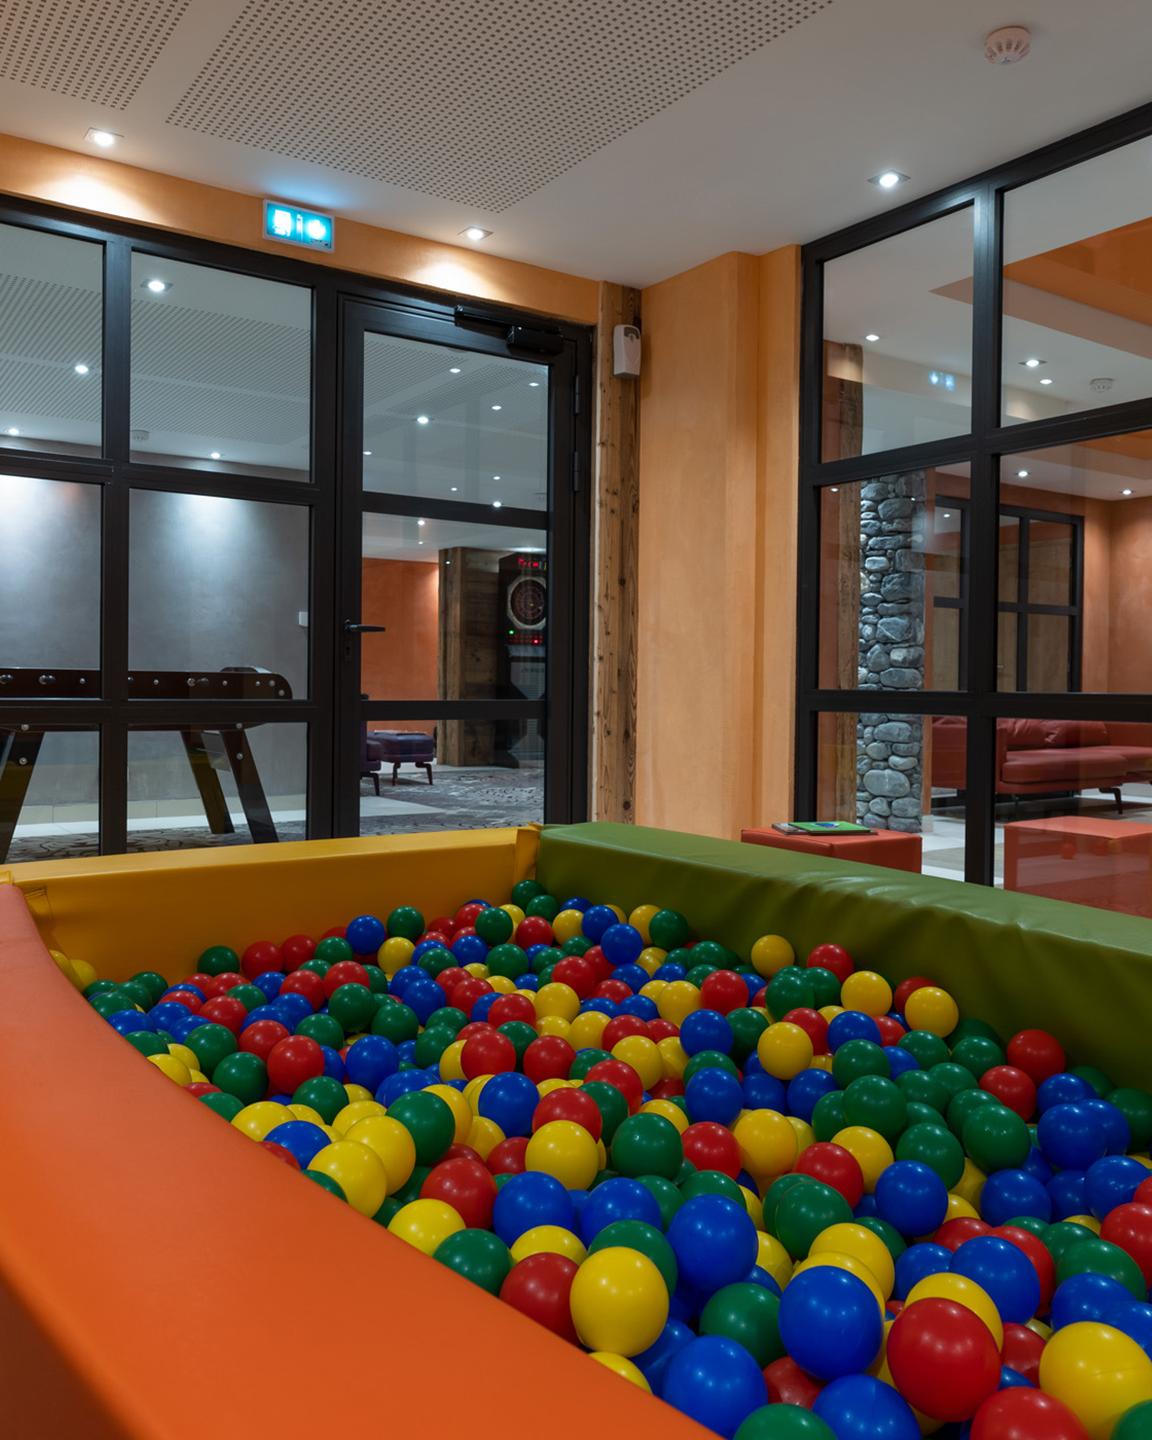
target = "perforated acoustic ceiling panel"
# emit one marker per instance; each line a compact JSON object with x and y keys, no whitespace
{"x":478,"y":101}
{"x":95,"y":50}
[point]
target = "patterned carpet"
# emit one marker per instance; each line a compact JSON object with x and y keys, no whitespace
{"x":460,"y":800}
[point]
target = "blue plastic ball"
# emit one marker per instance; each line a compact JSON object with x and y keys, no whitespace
{"x":621,"y":944}
{"x":370,"y":1060}
{"x":805,"y":1089}
{"x":1071,"y":1136}
{"x":706,"y":1030}
{"x":130,"y":1022}
{"x":911,"y":1196}
{"x":291,"y":1009}
{"x":530,"y":1199}
{"x":300,"y":1138}
{"x":598,"y":920}
{"x":852,"y":1025}
{"x":1068,"y":1192}
{"x":759,"y":1276}
{"x":406,"y":1052}
{"x":1013,"y":1380}
{"x":670,"y":970}
{"x":400,"y":1084}
{"x":830,"y":1322}
{"x":482,"y":1006}
{"x":714,"y":1240}
{"x":1087,"y":1296}
{"x":365,"y":934}
{"x":578,"y":902}
{"x":1037,"y":1166}
{"x":900,"y":1060}
{"x":917,"y":1262}
{"x":270,"y":982}
{"x":468,"y":950}
{"x":1111,"y":1182}
{"x":425,"y":997}
{"x":617,"y":1199}
{"x":859,"y":1407}
{"x":1004,"y":1271}
{"x":510,"y":1100}
{"x":716,"y":1382}
{"x":1117,"y":1135}
{"x":1134,"y":1318}
{"x":763,"y":1092}
{"x":634,"y":976}
{"x":654,"y":1361}
{"x":1009,"y":1193}
{"x":1062,"y":1089}
{"x":333,"y":1063}
{"x":714,"y":1094}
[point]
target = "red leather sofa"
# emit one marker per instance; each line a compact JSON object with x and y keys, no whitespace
{"x":1048,"y":757}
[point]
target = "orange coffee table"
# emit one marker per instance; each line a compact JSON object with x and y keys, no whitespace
{"x":891,"y":848}
{"x":1106,"y":863}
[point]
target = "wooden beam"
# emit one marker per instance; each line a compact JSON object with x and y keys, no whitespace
{"x":616,"y":544}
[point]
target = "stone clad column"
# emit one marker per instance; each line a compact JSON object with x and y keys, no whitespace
{"x":889,"y":763}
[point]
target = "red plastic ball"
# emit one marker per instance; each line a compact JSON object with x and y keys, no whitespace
{"x":662,"y":1030}
{"x":724,"y":991}
{"x":533,"y":930}
{"x":1012,"y":1087}
{"x":474,"y":1027}
{"x":953,"y":1233}
{"x":467,"y":991}
{"x":1022,"y":1350}
{"x":622,"y":1077}
{"x":1130,"y":1227}
{"x":834,"y":958}
{"x":187,"y":999}
{"x":549,"y":1058}
{"x":465,"y":930}
{"x":293,"y":1061}
{"x":260,"y":957}
{"x":814,"y":1026}
{"x":466,"y":915}
{"x":539,"y":1287}
{"x":335,"y":932}
{"x":461,"y":1152}
{"x":905,"y":988}
{"x":575,"y":972}
{"x":602,"y":967}
{"x":1038,"y":1253}
{"x":442,"y":925}
{"x":835,"y":1166}
{"x":620,"y":1027}
{"x":1025,"y":1414}
{"x":466,"y":1185}
{"x":258,"y":1039}
{"x":489,"y":1053}
{"x":507,"y":1158}
{"x":224,"y":1010}
{"x":711,"y":1146}
{"x":1037,"y":1053}
{"x":572,"y":1105}
{"x":201,"y":1087}
{"x":448,"y":979}
{"x":789,"y":1385}
{"x":306,"y":983}
{"x":280,"y":1153}
{"x":295,"y":951}
{"x":512,"y":1007}
{"x":344,"y":972}
{"x":891,"y":1030}
{"x":1143,"y":1195}
{"x":612,"y":990}
{"x":943,"y":1359}
{"x":666,"y":1088}
{"x":221,"y":984}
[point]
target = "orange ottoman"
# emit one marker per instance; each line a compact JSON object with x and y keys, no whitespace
{"x":891,"y":848}
{"x":1106,"y":863}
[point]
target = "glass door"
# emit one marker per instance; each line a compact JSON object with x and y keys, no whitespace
{"x":464,"y":529}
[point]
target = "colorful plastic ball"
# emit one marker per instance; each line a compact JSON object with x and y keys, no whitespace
{"x":1086,"y":1296}
{"x":784,"y":1050}
{"x":241,"y":1074}
{"x":943,"y":1359}
{"x":1129,"y":1226}
{"x":647,"y":1240}
{"x":867,"y":991}
{"x":540,"y":1287}
{"x":835,"y":1167}
{"x":714,"y":1094}
{"x":1026,"y":1414}
{"x":783,"y":1422}
{"x":617,"y":1199}
{"x":716,"y":1382}
{"x":1005,"y":1272}
{"x":770,"y":953}
{"x":467,"y":1186}
{"x":996,"y":1137}
{"x":714,"y":1241}
{"x":1134,"y":1318}
{"x":430,"y":1122}
{"x":1009,"y":1193}
{"x":565,"y":1150}
{"x":711,"y":1146}
{"x":477,"y":1255}
{"x":1100,"y":1257}
{"x":619,"y":1301}
{"x":359,"y":1173}
{"x":1037,"y":1053}
{"x":747,"y":1313}
{"x":767,"y":1142}
{"x":949,"y":1286}
{"x":507,"y":1156}
{"x":292,"y":1061}
{"x":1112,"y":1182}
{"x":832,"y":957}
{"x":932,"y":1009}
{"x":1097,"y":1372}
{"x":705,"y":1030}
{"x":860,"y":1407}
{"x":789,"y":1385}
{"x":425,"y":1224}
{"x":830,"y":1323}
{"x":911,"y":1196}
{"x":370,"y":1060}
{"x":509,"y":1099}
{"x":1136,"y":1424}
{"x":530,"y":1199}
{"x":877,"y":1104}
{"x":621,"y":944}
{"x":392,"y":1144}
{"x":668,"y":929}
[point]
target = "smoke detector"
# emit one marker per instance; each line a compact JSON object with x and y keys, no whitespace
{"x":1101,"y":383}
{"x":1007,"y":45}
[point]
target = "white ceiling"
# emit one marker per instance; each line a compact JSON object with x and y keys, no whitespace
{"x":626,"y":142}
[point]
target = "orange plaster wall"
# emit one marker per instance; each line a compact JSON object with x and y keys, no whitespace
{"x":400,"y":664}
{"x":105,"y":187}
{"x":717,"y":545}
{"x":1130,"y":649}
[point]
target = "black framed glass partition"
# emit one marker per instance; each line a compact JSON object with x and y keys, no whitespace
{"x":974,"y":654}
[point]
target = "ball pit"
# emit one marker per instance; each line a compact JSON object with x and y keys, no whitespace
{"x":785,"y":1204}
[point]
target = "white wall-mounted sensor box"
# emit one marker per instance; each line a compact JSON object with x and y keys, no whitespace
{"x":626,"y":352}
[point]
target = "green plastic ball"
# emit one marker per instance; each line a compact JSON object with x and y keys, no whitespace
{"x":783,"y":1422}
{"x":954,"y":1078}
{"x":970,"y":1026}
{"x":242,"y":1075}
{"x":1135,"y":1424}
{"x":646,"y":1145}
{"x":325,"y":1182}
{"x":1136,"y":1107}
{"x":578,"y":945}
{"x":405,"y":921}
{"x":218,"y":960}
{"x":324,"y":1029}
{"x":636,"y":1235}
{"x":494,"y":926}
{"x":828,"y":1115}
{"x":790,"y":989}
{"x":1031,"y":1223}
{"x":667,"y":1195}
{"x":508,"y":960}
{"x":152,"y":981}
{"x":543,"y":907}
{"x":977,"y":1053}
{"x":435,"y":961}
{"x":877,"y":1103}
{"x":747,"y":1027}
{"x":1094,"y":1076}
{"x":710,"y":1182}
{"x":211,"y":1043}
{"x":612,"y":1106}
{"x":250,"y":996}
{"x":668,"y":929}
{"x":545,"y":961}
{"x":924,"y":1115}
{"x":856,"y":1058}
{"x":749,"y":1314}
{"x":996,"y":1138}
{"x":448,"y":1018}
{"x":924,"y":1047}
{"x":477,"y":1255}
{"x":521,"y":1035}
{"x":920,"y":1088}
{"x":700,"y":972}
{"x":1063,"y":1235}
{"x":377,"y":980}
{"x":1100,"y":1257}
{"x":888,"y":1233}
{"x":226,"y":1106}
{"x":395,"y":1021}
{"x":936,"y":1147}
{"x":709,"y":1060}
{"x":428,"y":1120}
{"x":411,"y":1188}
{"x":964,"y":1104}
{"x":825,"y":986}
{"x":108,"y":1002}
{"x":318,"y":965}
{"x":806,"y":1211}
{"x":430,"y":1045}
{"x":334,"y":949}
{"x":775,"y":1194}
{"x":525,"y":891}
{"x":354,"y":1006}
{"x":149,"y":1043}
{"x":585,"y":1059}
{"x":324,"y":1094}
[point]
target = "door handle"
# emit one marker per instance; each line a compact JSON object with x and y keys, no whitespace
{"x":353,"y":627}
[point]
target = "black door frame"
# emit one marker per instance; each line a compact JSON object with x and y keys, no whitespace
{"x":116,"y":474}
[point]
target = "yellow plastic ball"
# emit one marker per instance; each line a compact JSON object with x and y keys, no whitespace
{"x":805,"y":1135}
{"x":622,"y":1367}
{"x":959,"y":1208}
{"x":357,"y":1092}
{"x":773,"y":1257}
{"x":867,"y":991}
{"x":621,"y":916}
{"x":394,"y":954}
{"x":932,"y":1009}
{"x":847,"y":1238}
{"x":586,"y":1030}
{"x":565,"y":1150}
{"x":450,"y":1066}
{"x":673,"y":1056}
{"x":461,"y":1110}
{"x":477,"y":970}
{"x":553,"y":1025}
{"x":553,"y":1082}
{"x":64,"y":965}
{"x":568,"y":924}
{"x":784,"y":1050}
{"x":948,"y":1286}
{"x":473,"y":1088}
{"x":516,"y":913}
{"x":872,"y":1152}
{"x":484,"y":1136}
{"x":187,"y":1056}
{"x":619,"y":1301}
{"x":357,"y":1170}
{"x":548,"y":1240}
{"x":767,"y":1142}
{"x":198,"y":1077}
{"x":971,"y":1183}
{"x":844,"y":1262}
{"x":771,"y":953}
{"x":821,"y":1062}
{"x":83,"y":974}
{"x":830,"y":1012}
{"x":651,"y":958}
{"x":1098,"y":1372}
{"x":425,"y":1224}
{"x":306,"y":1112}
{"x":643,"y":1056}
{"x":257,"y":1120}
{"x":641,"y":918}
{"x":678,"y":1002}
{"x":392,"y":1145}
{"x":1088,"y":1221}
{"x":501,"y":984}
{"x":654,"y":989}
{"x":557,"y":999}
{"x":754,"y":1206}
{"x":668,"y":1110}
{"x":356,"y":1110}
{"x":1044,"y":1331}
{"x":172,"y":1067}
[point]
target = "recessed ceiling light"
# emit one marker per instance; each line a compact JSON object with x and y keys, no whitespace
{"x":496,"y":477}
{"x":889,"y":179}
{"x":367,"y":453}
{"x":496,"y":504}
{"x":420,"y":542}
{"x":422,"y":419}
{"x":454,"y":488}
{"x":1021,"y":474}
{"x":1046,"y":381}
{"x":104,"y":138}
{"x":475,"y":233}
{"x":835,"y":489}
{"x":80,"y":369}
{"x":12,"y":430}
{"x":157,"y":286}
{"x":421,"y":522}
{"x":947,"y":514}
{"x":1031,"y":363}
{"x":1126,"y":492}
{"x":533,"y":384}
{"x":872,"y":337}
{"x":454,"y":369}
{"x":215,"y":455}
{"x":497,"y":407}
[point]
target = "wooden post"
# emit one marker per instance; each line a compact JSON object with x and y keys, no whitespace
{"x":616,"y":542}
